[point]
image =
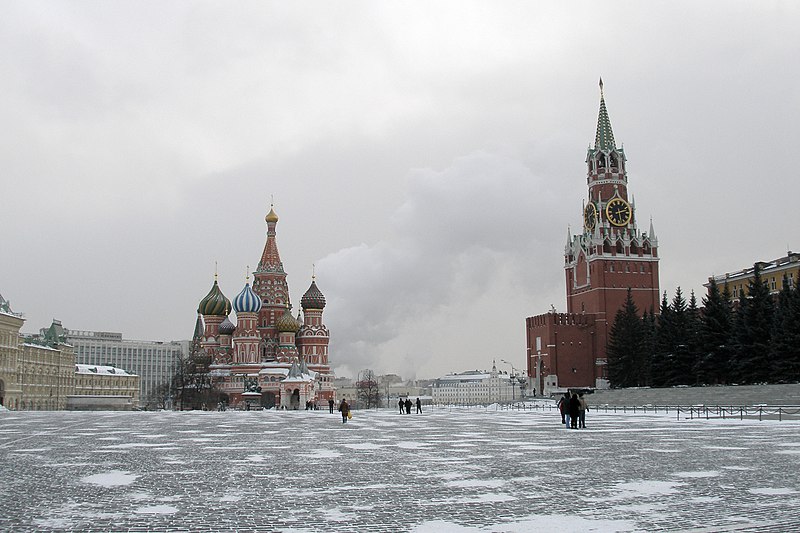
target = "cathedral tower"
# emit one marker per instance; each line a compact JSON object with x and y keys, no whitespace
{"x":271,"y":286}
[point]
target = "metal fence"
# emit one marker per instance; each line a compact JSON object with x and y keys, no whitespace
{"x":691,"y":412}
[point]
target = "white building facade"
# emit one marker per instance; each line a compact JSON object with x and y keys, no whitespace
{"x":154,"y":362}
{"x":475,"y":388}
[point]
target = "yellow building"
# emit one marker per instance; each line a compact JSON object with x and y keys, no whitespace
{"x":10,"y":323}
{"x":772,"y":272}
{"x":104,"y":387}
{"x":46,"y":376}
{"x":39,"y":373}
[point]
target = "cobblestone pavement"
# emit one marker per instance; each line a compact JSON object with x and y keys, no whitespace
{"x":463,"y":470}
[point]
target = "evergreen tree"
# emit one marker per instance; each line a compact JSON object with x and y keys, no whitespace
{"x":715,"y":336}
{"x":661,"y":360}
{"x":626,"y":365}
{"x":682,"y":360}
{"x":649,"y":325}
{"x":693,"y":326}
{"x":753,"y":331}
{"x":785,"y":346}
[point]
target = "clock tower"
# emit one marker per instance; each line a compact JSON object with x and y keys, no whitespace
{"x":608,"y":257}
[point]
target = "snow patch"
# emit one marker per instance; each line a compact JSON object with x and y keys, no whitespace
{"x":767,"y":491}
{"x":156,"y":509}
{"x":699,"y":474}
{"x":114,"y":478}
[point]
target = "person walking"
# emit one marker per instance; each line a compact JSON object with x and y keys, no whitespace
{"x":408,"y":406}
{"x":582,"y":412}
{"x":330,"y":404}
{"x":419,"y":406}
{"x":563,"y":406}
{"x":402,"y":406}
{"x":344,"y":408}
{"x":574,"y":410}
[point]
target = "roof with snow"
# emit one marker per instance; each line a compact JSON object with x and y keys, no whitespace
{"x":101,"y":369}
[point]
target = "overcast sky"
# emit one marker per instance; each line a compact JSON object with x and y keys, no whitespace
{"x":428,"y":157}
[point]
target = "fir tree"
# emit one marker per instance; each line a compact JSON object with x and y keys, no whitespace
{"x":661,"y":360}
{"x":785,"y":345}
{"x":715,"y":336}
{"x":626,"y":344}
{"x":753,"y":331}
{"x":649,"y":326}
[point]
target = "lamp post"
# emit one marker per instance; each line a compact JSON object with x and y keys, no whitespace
{"x":513,"y":378}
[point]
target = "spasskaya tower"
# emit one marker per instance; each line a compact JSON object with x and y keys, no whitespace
{"x":607,"y":258}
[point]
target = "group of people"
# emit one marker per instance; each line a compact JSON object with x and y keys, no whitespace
{"x":573,"y":409}
{"x":405,"y":406}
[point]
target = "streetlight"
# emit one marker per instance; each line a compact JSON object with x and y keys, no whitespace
{"x":513,"y":378}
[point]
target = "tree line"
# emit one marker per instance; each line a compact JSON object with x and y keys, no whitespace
{"x":753,"y":339}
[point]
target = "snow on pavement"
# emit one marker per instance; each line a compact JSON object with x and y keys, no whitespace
{"x":446,"y":470}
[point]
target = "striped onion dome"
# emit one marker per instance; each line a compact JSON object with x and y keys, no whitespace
{"x":214,"y":303}
{"x":227,"y":327}
{"x":313,"y":298}
{"x":287,"y":323}
{"x":247,"y":301}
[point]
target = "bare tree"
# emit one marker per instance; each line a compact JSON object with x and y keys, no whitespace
{"x":368,"y":391}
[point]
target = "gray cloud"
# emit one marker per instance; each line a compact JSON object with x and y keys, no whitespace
{"x":427,"y":157}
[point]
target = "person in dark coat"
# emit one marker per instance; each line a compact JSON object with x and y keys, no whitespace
{"x":563,"y":406}
{"x":344,"y":408}
{"x":419,"y":406}
{"x":330,"y":405}
{"x":408,"y":406}
{"x":402,"y":405}
{"x":574,"y":410}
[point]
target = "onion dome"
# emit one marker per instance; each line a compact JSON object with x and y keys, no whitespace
{"x":313,"y":298}
{"x":214,"y":303}
{"x":247,"y":301}
{"x":227,"y":327}
{"x":271,"y":216}
{"x":287,"y":323}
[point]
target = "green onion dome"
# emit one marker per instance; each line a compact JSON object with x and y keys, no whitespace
{"x":214,"y":303}
{"x":287,"y":323}
{"x":313,"y":298}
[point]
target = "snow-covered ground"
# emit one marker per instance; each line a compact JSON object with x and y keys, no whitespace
{"x":459,"y":470}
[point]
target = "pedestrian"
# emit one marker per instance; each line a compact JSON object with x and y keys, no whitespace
{"x":582,"y":413}
{"x":574,"y":410}
{"x":408,"y":406}
{"x":563,"y":406}
{"x":330,"y":404}
{"x":419,"y":406}
{"x":344,"y":408}
{"x":402,"y":405}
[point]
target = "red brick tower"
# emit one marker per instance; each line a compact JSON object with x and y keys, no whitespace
{"x":610,"y":256}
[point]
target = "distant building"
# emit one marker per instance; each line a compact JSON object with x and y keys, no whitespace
{"x":475,"y":387}
{"x":772,"y":272}
{"x":608,"y":257}
{"x":154,"y":362}
{"x":104,"y":387}
{"x":10,"y":350}
{"x":38,"y":372}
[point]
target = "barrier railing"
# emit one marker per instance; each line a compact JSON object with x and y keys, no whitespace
{"x":762,"y":412}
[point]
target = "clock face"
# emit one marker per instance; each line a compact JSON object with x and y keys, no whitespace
{"x":618,"y":212}
{"x":590,"y":216}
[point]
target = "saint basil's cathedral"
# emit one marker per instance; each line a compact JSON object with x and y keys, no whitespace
{"x":269,"y":357}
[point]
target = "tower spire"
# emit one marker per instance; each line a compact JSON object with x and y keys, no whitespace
{"x":604,"y":138}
